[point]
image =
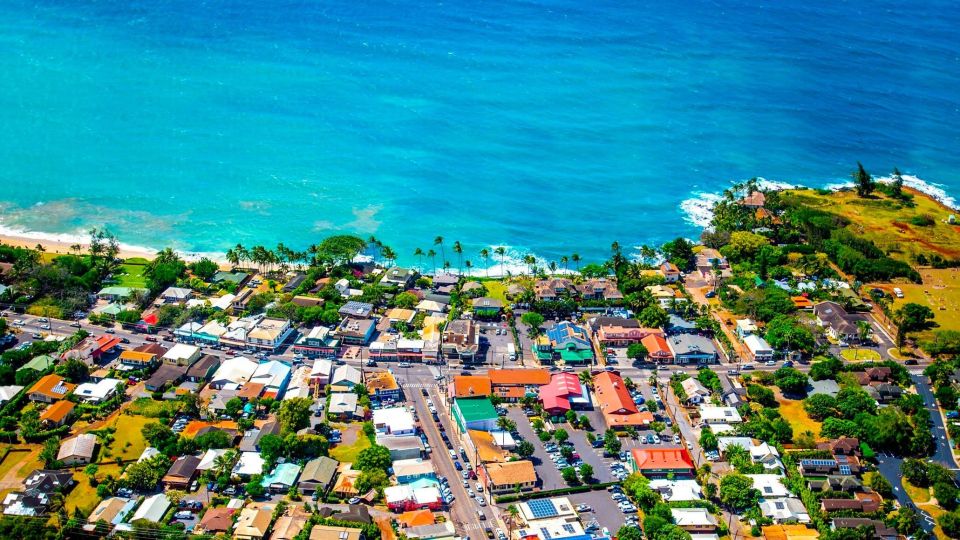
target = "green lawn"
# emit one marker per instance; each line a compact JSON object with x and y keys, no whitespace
{"x":128,"y":442}
{"x":83,"y":495}
{"x":16,"y":457}
{"x":860,"y":355}
{"x":349,"y":453}
{"x":131,"y":275}
{"x":496,"y":289}
{"x":152,"y":408}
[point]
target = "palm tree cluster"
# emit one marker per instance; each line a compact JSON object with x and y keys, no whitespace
{"x":264,"y":258}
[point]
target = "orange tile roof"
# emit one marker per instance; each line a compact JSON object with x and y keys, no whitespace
{"x":612,"y":393}
{"x":106,"y":342}
{"x":511,"y":472}
{"x":381,"y":380}
{"x":510,"y":392}
{"x":416,"y":518}
{"x":251,"y":391}
{"x":656,"y":346}
{"x":471,"y":385}
{"x":801,"y":302}
{"x":519,"y":376}
{"x":790,"y":532}
{"x":487,"y":449}
{"x":662,"y":458}
{"x":138,"y":356}
{"x":47,"y":383}
{"x":57,"y":412}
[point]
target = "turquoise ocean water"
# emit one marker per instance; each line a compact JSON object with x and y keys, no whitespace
{"x":549,"y":127}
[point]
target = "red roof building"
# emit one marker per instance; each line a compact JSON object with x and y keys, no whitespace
{"x":104,"y":344}
{"x":661,"y":462}
{"x":618,"y":409}
{"x":556,"y":395}
{"x":657,"y":349}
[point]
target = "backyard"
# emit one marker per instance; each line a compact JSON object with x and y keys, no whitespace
{"x":128,"y":442}
{"x":792,"y":411}
{"x":84,"y":496}
{"x":130,"y":274}
{"x":354,"y":441}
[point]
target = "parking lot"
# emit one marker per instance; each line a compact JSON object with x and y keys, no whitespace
{"x":496,"y":353}
{"x":604,"y":510}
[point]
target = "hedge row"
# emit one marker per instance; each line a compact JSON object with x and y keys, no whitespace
{"x":554,"y":492}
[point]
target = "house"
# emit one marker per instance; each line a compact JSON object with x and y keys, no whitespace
{"x":343,"y":406}
{"x":677,"y":490}
{"x":486,"y":308}
{"x":294,"y":282}
{"x":512,"y":384}
{"x":753,"y":200}
{"x":289,"y":526}
{"x":758,"y":349}
{"x":553,"y":289}
{"x":233,"y":373}
{"x":504,"y":477}
{"x":402,"y":446}
{"x":57,"y":414}
{"x":709,"y":259}
{"x":39,"y":363}
{"x":320,"y":374}
{"x":746,"y":327}
{"x":282,"y":478}
{"x":835,"y":482}
{"x":838,"y":465}
{"x":694,"y":520}
{"x":662,"y":462}
{"x":356,"y":310}
{"x":111,"y":510}
{"x":692,"y":349}
{"x":666,"y":297}
{"x":617,"y":332}
{"x":318,"y":475}
{"x":330,"y":532}
{"x":460,"y":340}
{"x":770,"y":486}
{"x":249,"y":464}
{"x":844,"y":446}
{"x":176,"y":295}
{"x":307,"y":301}
{"x":253,"y":523}
{"x":251,"y":438}
{"x":138,"y":359}
{"x":300,"y":385}
{"x":408,"y":471}
{"x":838,"y":324}
{"x":182,"y":354}
{"x":398,"y":277}
{"x":472,"y":386}
{"x":50,"y":388}
{"x":181,"y":473}
{"x":670,"y":272}
{"x":344,"y":378}
{"x":400,"y":315}
{"x":382,"y":385}
{"x":563,"y":393}
{"x":760,"y":452}
{"x":119,"y":294}
{"x":203,"y":369}
{"x":354,"y":513}
{"x":618,"y":408}
{"x":395,"y":421}
{"x":880,"y":530}
{"x":477,"y":413}
{"x":354,"y":331}
{"x":274,"y":376}
{"x":658,"y":350}
{"x":802,"y":303}
{"x":600,"y":289}
{"x":317,"y":343}
{"x":564,"y":341}
{"x":38,"y":488}
{"x":239,"y":279}
{"x":885,"y":393}
{"x":869,"y":503}
{"x":78,"y":449}
{"x":695,"y":390}
{"x":216,"y":521}
{"x":240,"y":301}
{"x":166,"y":373}
{"x":269,"y":334}
{"x":415,"y":518}
{"x":713,"y":415}
{"x":789,"y":532}
{"x":152,"y":509}
{"x":874,"y":375}
{"x":406,"y":498}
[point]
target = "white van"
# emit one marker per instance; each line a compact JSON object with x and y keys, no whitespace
{"x":898,"y":292}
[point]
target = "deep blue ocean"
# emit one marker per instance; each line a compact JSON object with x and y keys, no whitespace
{"x":550,"y":127}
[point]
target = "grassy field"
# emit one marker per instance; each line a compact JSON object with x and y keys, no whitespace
{"x":916,"y":494}
{"x":348,"y":453}
{"x":860,"y":355}
{"x":131,"y":275}
{"x":29,"y":465}
{"x":83,"y":495}
{"x":890,"y":224}
{"x":128,"y":442}
{"x":496,"y":289}
{"x":792,"y":411}
{"x":16,"y":457}
{"x":940,"y":291}
{"x":152,"y":408}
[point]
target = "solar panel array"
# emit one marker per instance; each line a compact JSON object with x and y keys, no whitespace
{"x":844,"y":469}
{"x":542,"y":508}
{"x":819,"y":462}
{"x":569,"y":528}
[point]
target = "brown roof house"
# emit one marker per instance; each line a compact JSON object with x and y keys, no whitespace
{"x":216,"y":520}
{"x":77,"y":449}
{"x":181,"y":473}
{"x":50,"y":388}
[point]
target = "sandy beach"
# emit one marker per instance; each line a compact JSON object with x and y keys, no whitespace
{"x":30,"y":240}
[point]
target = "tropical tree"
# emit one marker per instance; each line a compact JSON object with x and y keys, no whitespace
{"x":433,"y":257}
{"x":501,"y":252}
{"x":468,"y":264}
{"x":576,"y":260}
{"x":586,"y":377}
{"x":564,"y":260}
{"x":419,"y":253}
{"x":530,"y":261}
{"x":485,"y":256}
{"x":458,"y":249}
{"x":438,"y":241}
{"x":862,"y":181}
{"x":232,"y":257}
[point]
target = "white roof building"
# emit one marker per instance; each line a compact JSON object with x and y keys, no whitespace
{"x":758,"y":347}
{"x":746,"y":327}
{"x":152,"y":509}
{"x":148,"y":453}
{"x":769,"y":485}
{"x":181,"y":353}
{"x":343,"y":403}
{"x":223,"y":303}
{"x":693,"y":517}
{"x":503,"y":439}
{"x":784,"y":509}
{"x":233,"y":373}
{"x":322,"y":368}
{"x":345,"y":376}
{"x":213,"y":328}
{"x":677,"y":490}
{"x":299,"y":386}
{"x":97,"y":392}
{"x":176,"y":294}
{"x":424,"y":495}
{"x":208,"y":460}
{"x":719,"y":415}
{"x":273,"y":375}
{"x":394,"y":421}
{"x":249,"y":463}
{"x":8,"y":392}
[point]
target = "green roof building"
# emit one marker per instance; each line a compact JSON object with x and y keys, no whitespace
{"x":40,"y":363}
{"x":477,"y":414}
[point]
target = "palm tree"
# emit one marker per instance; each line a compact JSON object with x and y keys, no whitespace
{"x":576,"y":260}
{"x":433,"y":256}
{"x":530,"y":260}
{"x":553,"y":267}
{"x":469,"y":265}
{"x":458,"y":249}
{"x":513,"y":512}
{"x":485,"y":255}
{"x":501,"y":252}
{"x":232,"y":257}
{"x":438,"y":241}
{"x":242,"y":253}
{"x":419,"y":253}
{"x":564,"y":260}
{"x":223,"y":463}
{"x":586,"y":377}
